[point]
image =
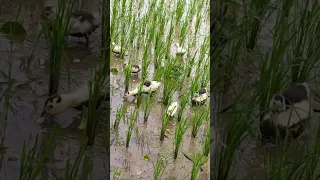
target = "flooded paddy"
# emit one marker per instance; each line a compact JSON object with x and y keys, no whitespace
{"x":29,"y":90}
{"x":260,"y":57}
{"x":148,"y":32}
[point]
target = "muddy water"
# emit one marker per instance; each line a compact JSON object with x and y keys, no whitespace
{"x":30,"y":90}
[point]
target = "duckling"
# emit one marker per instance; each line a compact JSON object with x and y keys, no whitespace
{"x":200,"y":97}
{"x":172,"y":109}
{"x":180,"y":50}
{"x":148,"y":86}
{"x":78,"y":100}
{"x":116,"y":48}
{"x":135,"y":69}
{"x":289,"y":109}
{"x":83,"y":23}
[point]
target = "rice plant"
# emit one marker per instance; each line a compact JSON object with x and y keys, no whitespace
{"x":183,"y":103}
{"x":198,"y":119}
{"x":127,"y":71}
{"x":147,"y":107}
{"x":178,"y":136}
{"x":133,"y":118}
{"x":100,"y":82}
{"x":169,"y":83}
{"x":119,"y":115}
{"x":116,"y":173}
{"x":158,"y":168}
{"x":164,"y":125}
{"x":71,"y":170}
{"x":33,"y":159}
{"x":196,"y":166}
{"x":56,"y":32}
{"x":206,"y":141}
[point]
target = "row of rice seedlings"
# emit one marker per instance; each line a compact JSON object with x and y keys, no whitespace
{"x":158,"y":169}
{"x":133,"y":118}
{"x":119,"y":115}
{"x":197,"y":159}
{"x":71,"y":170}
{"x":99,"y":85}
{"x":56,"y":32}
{"x":198,"y":119}
{"x":34,"y":159}
{"x":178,"y":135}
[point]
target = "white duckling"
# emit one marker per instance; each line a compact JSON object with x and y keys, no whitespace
{"x":148,"y":86}
{"x":172,"y":109}
{"x":60,"y":102}
{"x":135,"y":69}
{"x":116,"y":48}
{"x":180,"y":50}
{"x":200,"y":97}
{"x":83,"y":23}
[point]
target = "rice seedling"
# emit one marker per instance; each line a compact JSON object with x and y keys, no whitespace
{"x":147,"y":107}
{"x":235,"y":133}
{"x":195,"y":85}
{"x":164,"y":125}
{"x":198,"y":119}
{"x":169,"y":83}
{"x":139,"y":95}
{"x":71,"y":171}
{"x":56,"y":32}
{"x":257,"y":10}
{"x":178,"y":136}
{"x":196,"y":166}
{"x":119,"y":115}
{"x":183,"y":103}
{"x":33,"y":159}
{"x":206,"y":142}
{"x":116,"y":173}
{"x":158,"y":168}
{"x":133,"y":118}
{"x":127,"y":71}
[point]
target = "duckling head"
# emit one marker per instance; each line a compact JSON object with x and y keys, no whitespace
{"x":278,"y":103}
{"x":49,"y":12}
{"x":131,"y":93}
{"x":53,"y":105}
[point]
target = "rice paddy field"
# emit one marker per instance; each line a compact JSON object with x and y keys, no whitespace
{"x":259,"y":48}
{"x":146,"y":143}
{"x":59,"y":152}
